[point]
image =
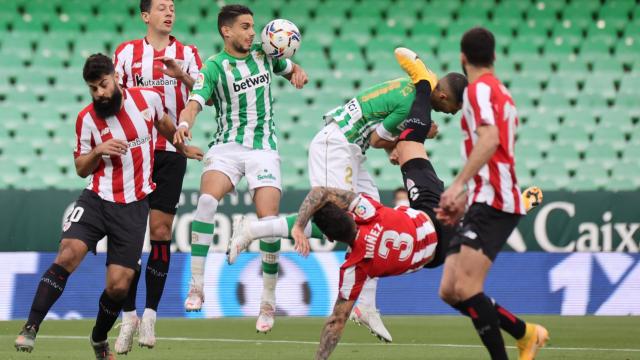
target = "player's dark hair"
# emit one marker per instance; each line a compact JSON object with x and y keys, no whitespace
{"x":97,"y":66}
{"x":335,"y":223}
{"x":456,"y":83}
{"x":145,"y":5}
{"x":479,"y":46}
{"x":229,"y":13}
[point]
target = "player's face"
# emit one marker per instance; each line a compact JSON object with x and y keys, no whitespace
{"x":443,"y":102}
{"x":161,"y":16}
{"x":106,"y":95}
{"x":241,"y":34}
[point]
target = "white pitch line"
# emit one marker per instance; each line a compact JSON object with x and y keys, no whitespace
{"x":73,"y":337}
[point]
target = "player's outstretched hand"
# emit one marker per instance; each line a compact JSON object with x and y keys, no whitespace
{"x":113,"y":147}
{"x":299,"y":77}
{"x":433,"y":131}
{"x":301,"y":241}
{"x":182,"y":135}
{"x":170,"y":68}
{"x":452,"y":204}
{"x":193,"y":152}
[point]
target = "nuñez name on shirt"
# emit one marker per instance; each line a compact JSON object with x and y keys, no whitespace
{"x":141,"y":82}
{"x":251,"y":82}
{"x":139,"y":142}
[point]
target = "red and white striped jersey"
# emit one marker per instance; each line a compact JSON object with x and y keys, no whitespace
{"x":487,"y":102}
{"x":134,"y":61}
{"x":389,"y":242}
{"x":125,"y":178}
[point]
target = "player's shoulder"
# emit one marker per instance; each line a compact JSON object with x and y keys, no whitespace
{"x":86,"y":110}
{"x":364,"y":207}
{"x":120,"y":48}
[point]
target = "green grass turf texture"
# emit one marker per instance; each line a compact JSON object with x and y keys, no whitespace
{"x":415,"y":337}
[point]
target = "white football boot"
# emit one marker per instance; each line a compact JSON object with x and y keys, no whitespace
{"x":266,"y":317}
{"x":147,"y":331}
{"x":240,"y":239}
{"x":195,"y":299}
{"x":370,"y":318}
{"x":128,"y":328}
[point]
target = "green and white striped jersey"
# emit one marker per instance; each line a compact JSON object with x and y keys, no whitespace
{"x":387,"y":103}
{"x":241,"y":93}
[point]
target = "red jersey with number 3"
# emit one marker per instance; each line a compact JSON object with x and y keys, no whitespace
{"x":487,"y":102}
{"x":389,"y":242}
{"x":135,"y":62}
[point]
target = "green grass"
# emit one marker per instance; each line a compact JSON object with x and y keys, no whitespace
{"x":424,"y":337}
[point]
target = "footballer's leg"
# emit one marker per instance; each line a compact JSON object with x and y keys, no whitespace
{"x":51,"y":286}
{"x":214,"y":185}
{"x":267,"y":200}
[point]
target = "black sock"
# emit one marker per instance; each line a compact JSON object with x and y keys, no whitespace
{"x":485,"y":319}
{"x":108,"y":312}
{"x":510,"y":323}
{"x":129,"y":303}
{"x":157,"y":270}
{"x":418,"y":122}
{"x":50,"y":288}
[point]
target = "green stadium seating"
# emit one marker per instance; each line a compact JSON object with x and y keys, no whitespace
{"x":571,"y":66}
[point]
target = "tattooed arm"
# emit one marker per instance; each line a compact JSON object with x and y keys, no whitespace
{"x":332,"y":330}
{"x":316,"y":199}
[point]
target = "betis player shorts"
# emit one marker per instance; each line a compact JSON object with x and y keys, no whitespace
{"x":124,"y":225}
{"x":335,"y":162}
{"x":261,"y":167}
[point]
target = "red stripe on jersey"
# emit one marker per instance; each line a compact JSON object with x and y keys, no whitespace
{"x":101,"y":125}
{"x":494,"y":180}
{"x":142,"y":105}
{"x":196,"y":56}
{"x":117,"y":62}
{"x":178,"y":88}
{"x":138,"y":50}
{"x":161,"y":143}
{"x":79,"y":124}
{"x":131,"y":132}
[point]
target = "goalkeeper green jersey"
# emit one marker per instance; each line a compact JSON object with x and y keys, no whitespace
{"x":241,"y":93}
{"x":387,"y":103}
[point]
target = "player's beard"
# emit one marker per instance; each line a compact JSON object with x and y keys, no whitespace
{"x":237,"y":46}
{"x":109,"y":107}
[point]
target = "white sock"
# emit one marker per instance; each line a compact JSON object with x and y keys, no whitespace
{"x":149,"y":313}
{"x":368,"y":294}
{"x":197,"y":270}
{"x":269,"y":282}
{"x":269,"y":227}
{"x":129,"y":315}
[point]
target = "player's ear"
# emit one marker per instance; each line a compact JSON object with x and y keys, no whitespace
{"x":145,"y":17}
{"x":226,"y":31}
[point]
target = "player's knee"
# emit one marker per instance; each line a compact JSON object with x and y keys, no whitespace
{"x":160,"y":231}
{"x":207,"y":206}
{"x":447,"y":294}
{"x":117,"y":290}
{"x":68,"y":258}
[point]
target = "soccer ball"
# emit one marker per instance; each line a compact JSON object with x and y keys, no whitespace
{"x":280,"y":38}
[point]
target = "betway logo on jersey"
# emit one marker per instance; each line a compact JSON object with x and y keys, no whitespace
{"x":139,"y":142}
{"x":244,"y":85}
{"x":141,"y":82}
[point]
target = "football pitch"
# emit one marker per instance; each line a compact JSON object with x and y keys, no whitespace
{"x":415,"y":337}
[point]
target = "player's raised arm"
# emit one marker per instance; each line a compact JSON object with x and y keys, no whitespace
{"x":168,"y":130}
{"x":332,"y":330}
{"x":297,"y":76}
{"x":316,"y":199}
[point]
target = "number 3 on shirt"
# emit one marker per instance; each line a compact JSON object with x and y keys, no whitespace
{"x":395,"y":240}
